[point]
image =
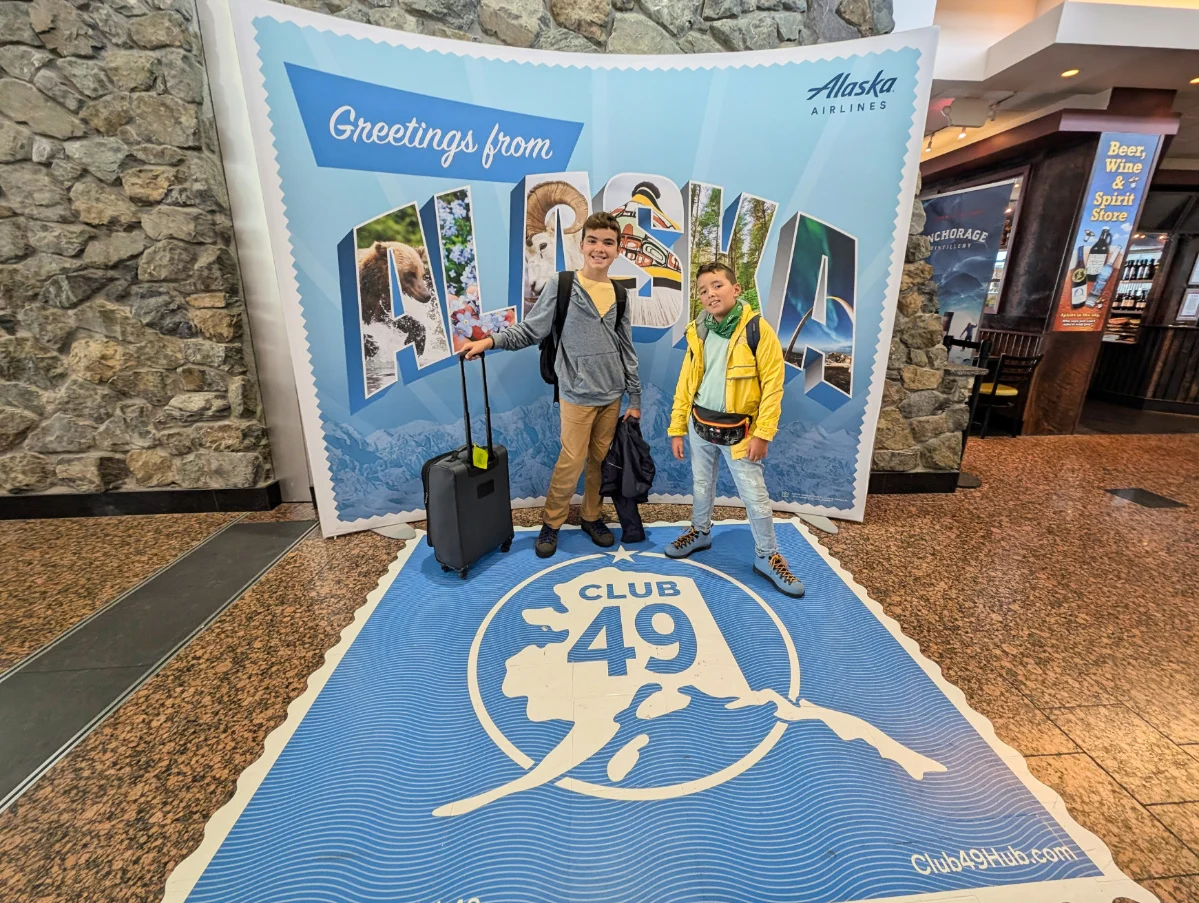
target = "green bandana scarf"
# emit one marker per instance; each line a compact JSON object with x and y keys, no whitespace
{"x":725,"y":327}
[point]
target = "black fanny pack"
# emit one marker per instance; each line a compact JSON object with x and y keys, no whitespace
{"x":718,"y":427}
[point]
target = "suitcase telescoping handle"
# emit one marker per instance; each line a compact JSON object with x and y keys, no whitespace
{"x":466,"y":404}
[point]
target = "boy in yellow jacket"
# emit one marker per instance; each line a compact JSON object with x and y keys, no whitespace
{"x":727,"y":402}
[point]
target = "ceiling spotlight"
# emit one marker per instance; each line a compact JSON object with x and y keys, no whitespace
{"x":928,"y":147}
{"x":1070,"y":73}
{"x":962,"y":134}
{"x":1195,"y":81}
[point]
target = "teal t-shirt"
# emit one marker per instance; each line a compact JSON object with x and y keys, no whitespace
{"x":716,"y":363}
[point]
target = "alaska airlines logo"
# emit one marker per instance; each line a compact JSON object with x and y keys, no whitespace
{"x":841,"y":85}
{"x":624,"y":637}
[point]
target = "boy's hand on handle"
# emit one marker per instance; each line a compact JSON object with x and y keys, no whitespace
{"x":472,"y":350}
{"x":676,"y":446}
{"x":635,"y":413}
{"x":757,"y":449}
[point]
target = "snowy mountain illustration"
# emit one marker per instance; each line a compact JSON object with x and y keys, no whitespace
{"x":379,"y":473}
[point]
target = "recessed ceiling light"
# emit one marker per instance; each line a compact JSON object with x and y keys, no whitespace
{"x":1070,"y":73}
{"x":962,"y":133}
{"x":1195,"y":81}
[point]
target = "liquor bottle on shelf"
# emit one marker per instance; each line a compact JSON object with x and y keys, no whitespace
{"x":1152,"y":268}
{"x":1078,"y":281}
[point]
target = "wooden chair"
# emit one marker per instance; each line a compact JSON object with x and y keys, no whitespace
{"x":1007,"y":390}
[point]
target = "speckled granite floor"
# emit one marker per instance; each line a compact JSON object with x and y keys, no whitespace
{"x":40,"y":598}
{"x":1066,"y":615}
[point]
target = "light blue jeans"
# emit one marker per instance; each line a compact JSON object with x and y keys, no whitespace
{"x":751,"y":486}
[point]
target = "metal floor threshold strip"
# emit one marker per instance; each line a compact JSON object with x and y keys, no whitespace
{"x":57,"y":696}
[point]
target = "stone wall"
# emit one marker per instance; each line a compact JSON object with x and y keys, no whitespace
{"x":924,"y":400}
{"x":124,"y":363}
{"x":624,"y":26}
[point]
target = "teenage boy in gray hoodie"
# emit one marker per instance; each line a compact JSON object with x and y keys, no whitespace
{"x":596,"y":366}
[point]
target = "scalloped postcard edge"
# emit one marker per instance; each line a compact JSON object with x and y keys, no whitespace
{"x":244,"y":13}
{"x":1109,"y":887}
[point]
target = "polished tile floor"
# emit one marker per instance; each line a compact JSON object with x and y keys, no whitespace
{"x":1067,"y":615}
{"x":1105,"y":417}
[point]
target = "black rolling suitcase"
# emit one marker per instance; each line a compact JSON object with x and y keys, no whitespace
{"x":468,"y":508}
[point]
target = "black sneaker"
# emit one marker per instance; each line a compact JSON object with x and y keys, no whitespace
{"x":547,"y":541}
{"x":598,"y":531}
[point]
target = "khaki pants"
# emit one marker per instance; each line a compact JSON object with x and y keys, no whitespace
{"x":586,"y":437}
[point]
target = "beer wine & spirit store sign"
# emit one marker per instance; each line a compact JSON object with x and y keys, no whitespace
{"x":1119,"y":180}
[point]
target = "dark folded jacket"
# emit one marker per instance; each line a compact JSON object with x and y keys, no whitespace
{"x":627,"y":476}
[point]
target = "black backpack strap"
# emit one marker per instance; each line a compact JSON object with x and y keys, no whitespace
{"x":753,"y":334}
{"x":622,"y":300}
{"x":566,"y":281}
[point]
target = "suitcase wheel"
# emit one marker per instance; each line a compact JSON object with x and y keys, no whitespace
{"x":445,"y":570}
{"x":462,"y":573}
{"x":507,"y":545}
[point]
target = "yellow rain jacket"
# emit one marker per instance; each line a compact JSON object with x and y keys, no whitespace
{"x":753,"y":384}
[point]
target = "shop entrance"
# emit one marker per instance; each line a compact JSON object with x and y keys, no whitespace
{"x":1146,"y":379}
{"x":1087,"y":325}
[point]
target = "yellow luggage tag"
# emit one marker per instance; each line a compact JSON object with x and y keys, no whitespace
{"x":480,"y":458}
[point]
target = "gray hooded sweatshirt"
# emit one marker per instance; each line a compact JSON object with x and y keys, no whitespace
{"x":596,"y":362}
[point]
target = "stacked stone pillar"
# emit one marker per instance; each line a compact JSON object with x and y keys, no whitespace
{"x":925,"y":402}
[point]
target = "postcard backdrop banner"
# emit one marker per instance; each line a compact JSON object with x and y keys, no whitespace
{"x":420,"y":192}
{"x":1119,"y":181}
{"x":965,"y":228}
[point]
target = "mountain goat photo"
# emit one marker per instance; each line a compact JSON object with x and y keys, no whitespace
{"x":540,"y":233}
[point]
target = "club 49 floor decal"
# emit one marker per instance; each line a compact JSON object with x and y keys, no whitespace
{"x":620,"y":726}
